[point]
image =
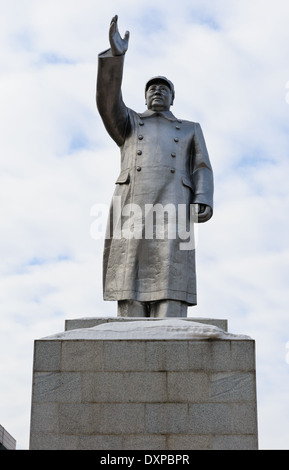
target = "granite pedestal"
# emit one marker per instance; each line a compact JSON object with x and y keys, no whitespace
{"x":159,"y":385}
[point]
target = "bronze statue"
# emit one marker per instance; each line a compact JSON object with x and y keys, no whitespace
{"x":166,"y":177}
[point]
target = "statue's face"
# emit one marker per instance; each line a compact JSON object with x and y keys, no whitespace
{"x":158,"y":97}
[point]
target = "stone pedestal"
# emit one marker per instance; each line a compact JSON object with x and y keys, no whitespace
{"x":116,"y":384}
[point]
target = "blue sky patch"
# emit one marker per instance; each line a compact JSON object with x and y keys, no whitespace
{"x":204,"y":18}
{"x":54,"y":59}
{"x":78,"y":142}
{"x":38,"y":261}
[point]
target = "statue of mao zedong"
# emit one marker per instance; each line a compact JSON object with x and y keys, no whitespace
{"x":165,"y":185}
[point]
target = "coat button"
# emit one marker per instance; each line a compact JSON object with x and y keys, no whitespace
{"x":141,"y":123}
{"x":172,"y":170}
{"x":173,"y":154}
{"x":138,"y":168}
{"x":179,"y":120}
{"x":178,"y":128}
{"x":139,"y":152}
{"x":140,"y":137}
{"x":176,"y":139}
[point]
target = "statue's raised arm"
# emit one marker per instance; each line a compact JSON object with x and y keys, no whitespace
{"x":118,"y":44}
{"x":110,"y":105}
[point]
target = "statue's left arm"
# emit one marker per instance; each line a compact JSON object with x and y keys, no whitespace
{"x":202,"y":177}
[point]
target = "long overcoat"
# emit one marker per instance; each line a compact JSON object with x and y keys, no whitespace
{"x":164,"y":167}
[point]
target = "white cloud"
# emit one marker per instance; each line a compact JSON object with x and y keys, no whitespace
{"x":228,"y":60}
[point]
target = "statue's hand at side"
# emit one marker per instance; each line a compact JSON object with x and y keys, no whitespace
{"x":201,"y":213}
{"x":118,"y":44}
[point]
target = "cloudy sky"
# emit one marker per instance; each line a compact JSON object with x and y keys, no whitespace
{"x":229,"y":61}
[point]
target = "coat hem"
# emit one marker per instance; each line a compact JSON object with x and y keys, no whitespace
{"x":190,"y":299}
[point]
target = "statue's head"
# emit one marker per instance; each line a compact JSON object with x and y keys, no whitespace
{"x":159,"y":93}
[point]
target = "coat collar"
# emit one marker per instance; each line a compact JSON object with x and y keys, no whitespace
{"x":166,"y":114}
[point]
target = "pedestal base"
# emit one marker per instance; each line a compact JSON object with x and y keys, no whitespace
{"x":183,"y":387}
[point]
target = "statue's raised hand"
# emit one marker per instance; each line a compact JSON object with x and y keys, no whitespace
{"x":118,"y":44}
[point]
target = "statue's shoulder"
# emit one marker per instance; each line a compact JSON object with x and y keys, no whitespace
{"x":187,"y":122}
{"x":191,"y":126}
